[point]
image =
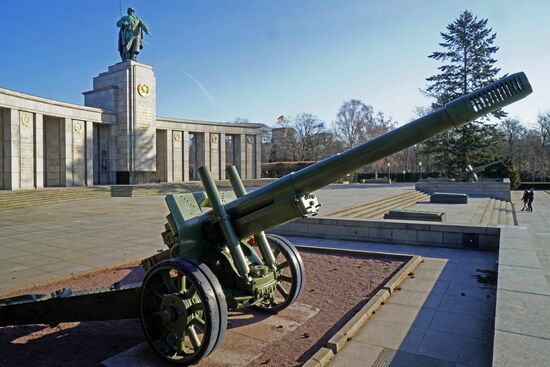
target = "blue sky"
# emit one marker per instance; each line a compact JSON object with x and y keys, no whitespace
{"x":258,"y":59}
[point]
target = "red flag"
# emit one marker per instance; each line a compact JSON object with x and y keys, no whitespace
{"x":280,"y":118}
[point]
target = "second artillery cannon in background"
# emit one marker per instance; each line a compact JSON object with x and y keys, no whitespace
{"x":221,"y":258}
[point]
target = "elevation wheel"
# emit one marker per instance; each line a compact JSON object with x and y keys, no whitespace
{"x":183,"y":310}
{"x":290,"y":274}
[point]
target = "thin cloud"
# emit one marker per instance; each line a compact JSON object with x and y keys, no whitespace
{"x":206,"y":93}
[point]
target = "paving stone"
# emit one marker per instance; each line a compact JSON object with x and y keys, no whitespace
{"x":468,"y":305}
{"x":398,"y":358}
{"x":512,"y":350}
{"x":459,"y":324}
{"x":265,"y":327}
{"x":414,"y":284}
{"x":473,"y":289}
{"x":417,"y":298}
{"x":520,"y":279}
{"x":393,"y":336}
{"x":515,"y":257}
{"x":357,"y":355}
{"x":398,"y":314}
{"x":523,"y":313}
{"x":460,"y":349}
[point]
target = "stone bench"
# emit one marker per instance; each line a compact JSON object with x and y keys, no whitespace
{"x":448,"y":198}
{"x":415,"y":215}
{"x":125,"y":191}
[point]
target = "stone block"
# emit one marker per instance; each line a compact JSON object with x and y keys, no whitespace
{"x":429,"y":237}
{"x":357,"y":231}
{"x":403,"y":235}
{"x":448,"y":198}
{"x":452,"y":239}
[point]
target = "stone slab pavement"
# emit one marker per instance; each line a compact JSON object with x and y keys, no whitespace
{"x":522,"y":328}
{"x":441,"y":316}
{"x":46,"y":242}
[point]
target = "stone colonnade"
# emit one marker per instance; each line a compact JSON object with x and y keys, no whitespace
{"x":185,"y":145}
{"x":45,"y":142}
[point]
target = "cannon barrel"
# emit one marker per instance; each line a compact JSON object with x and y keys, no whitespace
{"x":485,"y":166}
{"x":454,"y":114}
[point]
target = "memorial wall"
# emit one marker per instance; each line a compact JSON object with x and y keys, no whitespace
{"x":115,"y":138}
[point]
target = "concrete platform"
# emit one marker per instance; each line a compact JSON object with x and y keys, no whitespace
{"x":442,"y":316}
{"x":248,"y":334}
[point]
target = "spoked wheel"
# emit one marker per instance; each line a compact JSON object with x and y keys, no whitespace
{"x":290,"y":274}
{"x":183,"y":310}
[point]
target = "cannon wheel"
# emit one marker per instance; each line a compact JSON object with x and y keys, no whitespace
{"x":290,"y":274}
{"x":183,"y":310}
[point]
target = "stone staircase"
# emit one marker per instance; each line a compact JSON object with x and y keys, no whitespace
{"x":376,"y":209}
{"x":26,"y":198}
{"x":497,"y":212}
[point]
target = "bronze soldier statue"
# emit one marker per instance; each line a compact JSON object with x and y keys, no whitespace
{"x":130,"y":35}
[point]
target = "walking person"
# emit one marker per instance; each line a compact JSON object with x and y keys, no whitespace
{"x":525,"y":199}
{"x":530,"y":198}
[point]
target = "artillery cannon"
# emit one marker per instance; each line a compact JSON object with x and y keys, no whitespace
{"x":220,"y":258}
{"x":470,"y":173}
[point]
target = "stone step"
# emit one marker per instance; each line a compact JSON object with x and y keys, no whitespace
{"x":357,"y":208}
{"x":502,"y":213}
{"x":495,"y":214}
{"x":379,"y":207}
{"x":486,"y":216}
{"x":510,"y":214}
{"x":27,"y":198}
{"x":379,"y":213}
{"x":378,"y":210}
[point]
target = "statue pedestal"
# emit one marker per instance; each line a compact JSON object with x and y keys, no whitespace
{"x":128,"y":89}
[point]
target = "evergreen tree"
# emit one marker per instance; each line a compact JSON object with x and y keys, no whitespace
{"x":468,"y":64}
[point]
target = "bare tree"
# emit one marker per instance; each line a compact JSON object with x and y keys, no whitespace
{"x":308,"y":128}
{"x":512,"y":133}
{"x":241,"y":120}
{"x":543,"y":121}
{"x":356,"y":122}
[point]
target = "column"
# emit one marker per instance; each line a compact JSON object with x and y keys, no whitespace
{"x":241,"y":155}
{"x":178,"y":156}
{"x":258,"y":172}
{"x":78,"y":158}
{"x":89,"y":157}
{"x":11,"y":154}
{"x":250,"y":161}
{"x":203,"y":153}
{"x":39,"y":150}
{"x":113,"y":165}
{"x":222,"y":157}
{"x":186,"y":156}
{"x":169,"y":156}
{"x":214,"y":149}
{"x":67,"y":152}
{"x":2,"y":148}
{"x":26,"y":149}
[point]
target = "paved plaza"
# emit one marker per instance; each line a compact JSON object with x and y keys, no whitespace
{"x":442,"y":316}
